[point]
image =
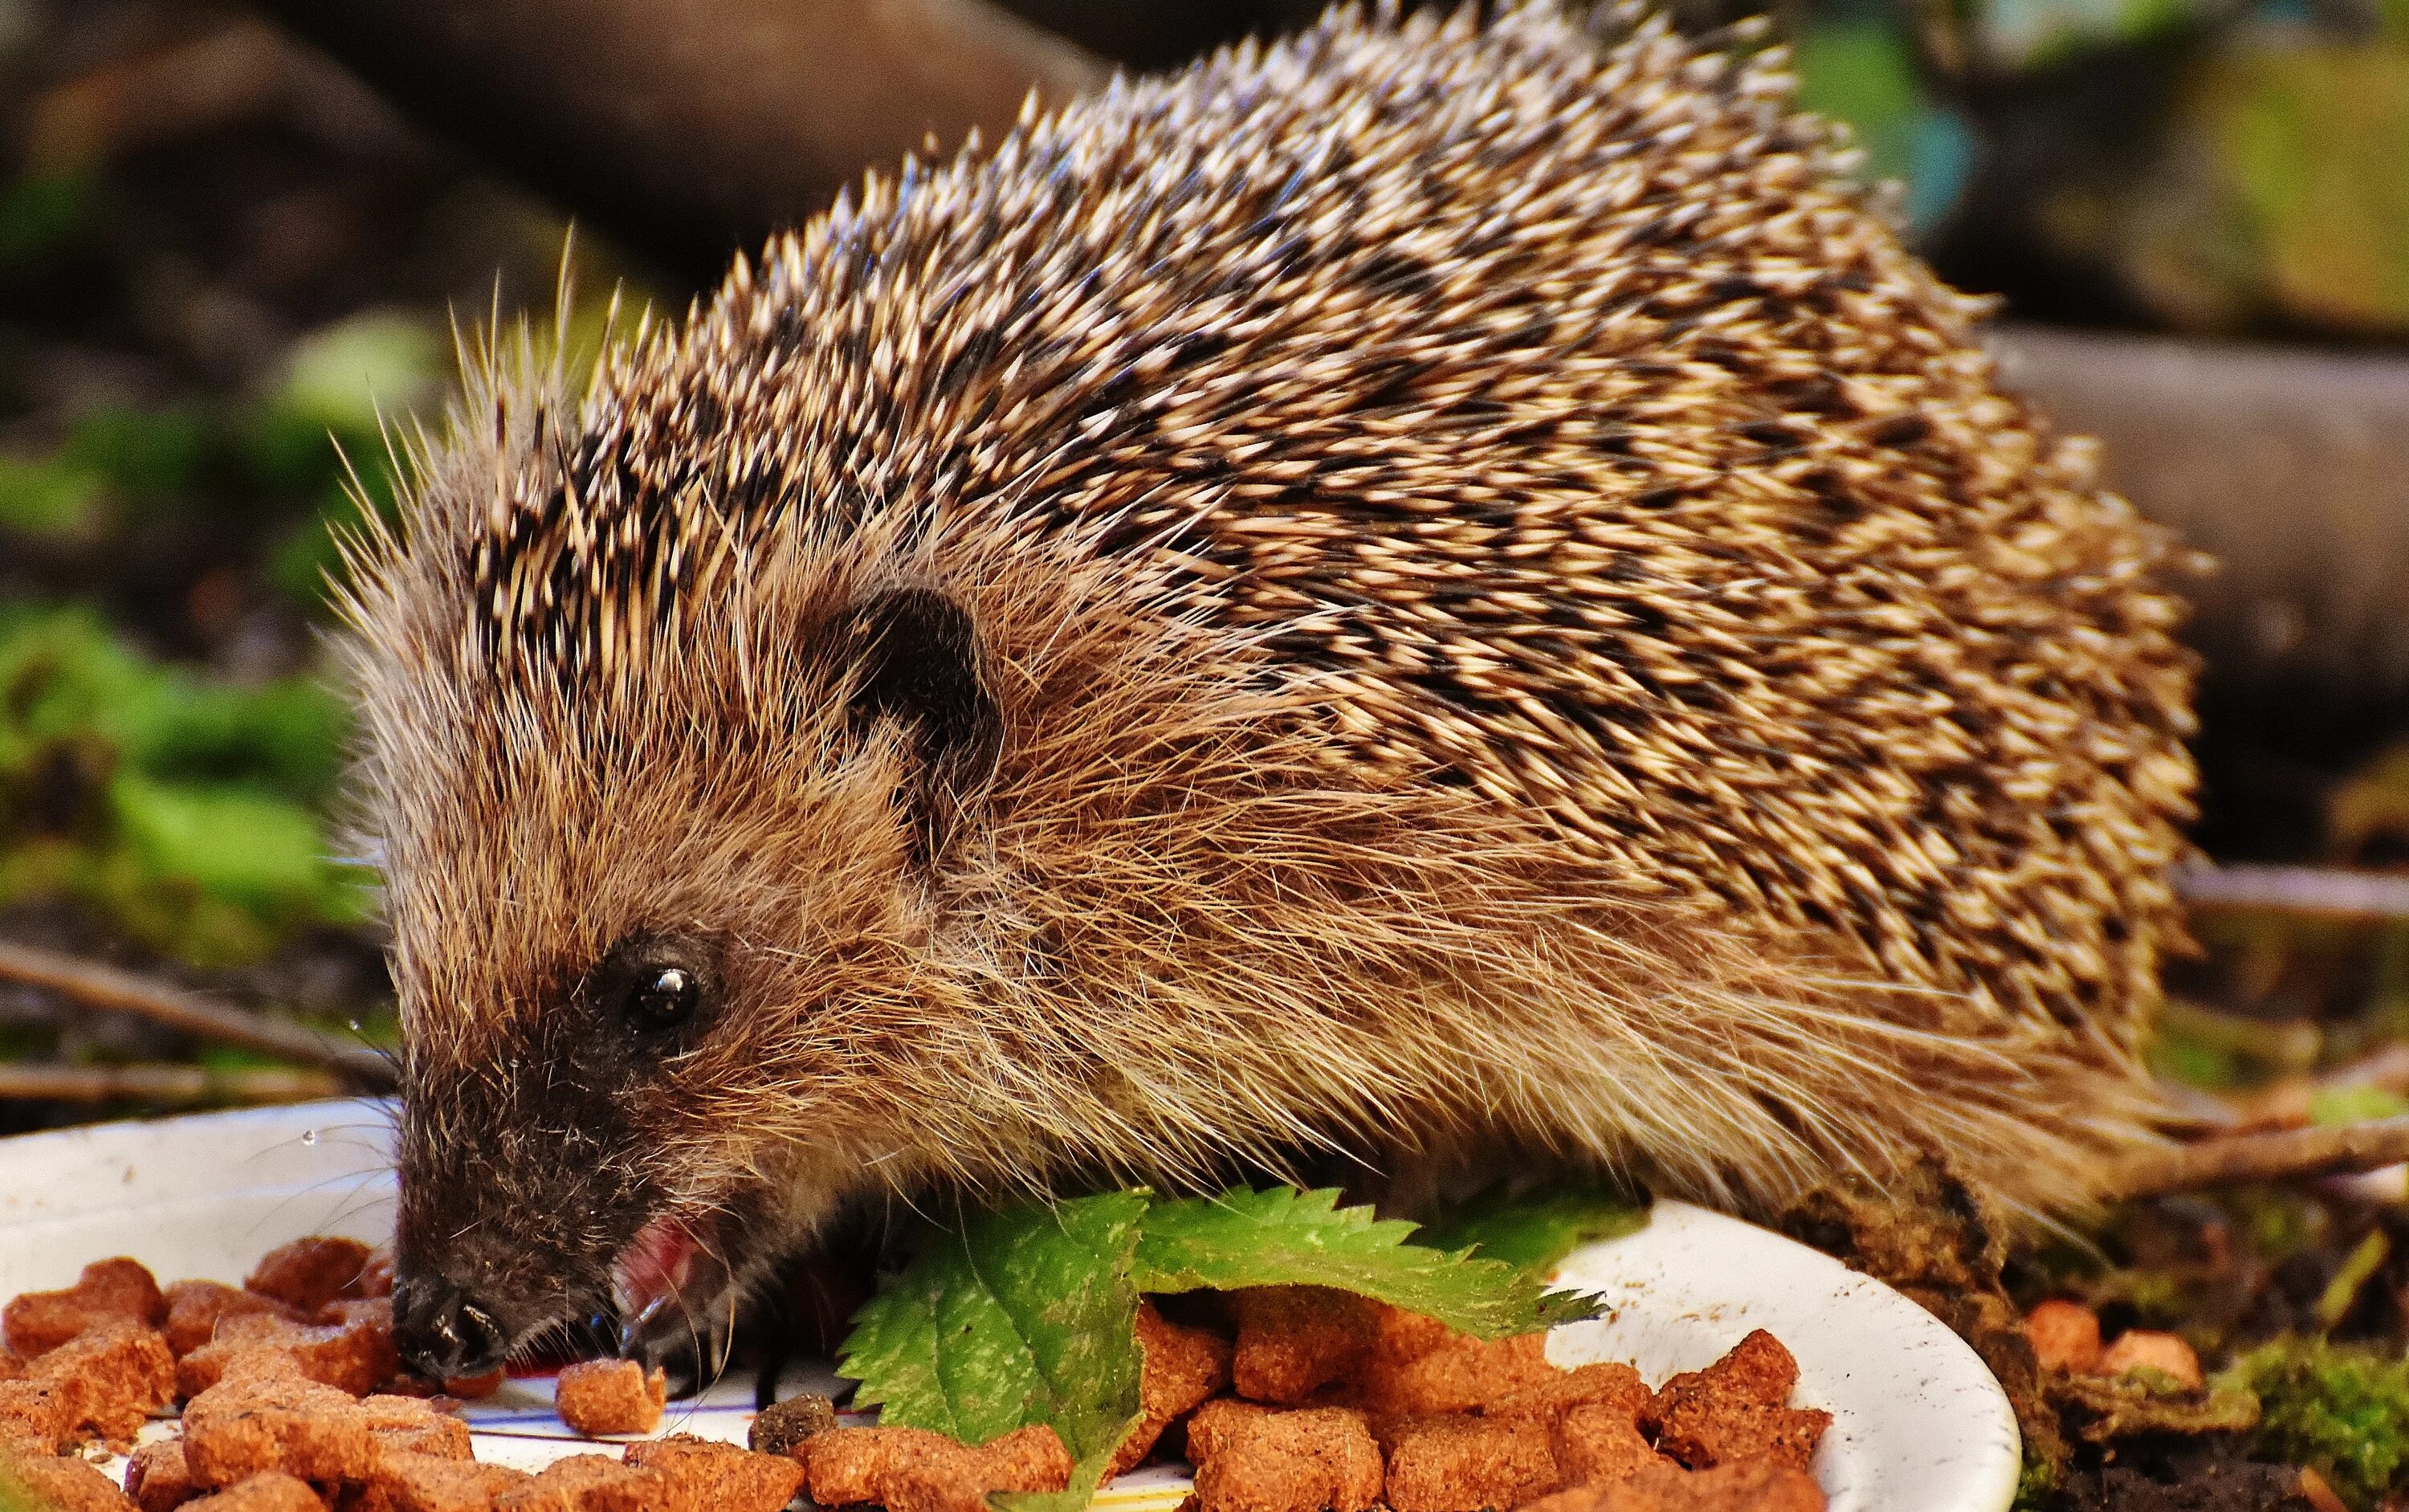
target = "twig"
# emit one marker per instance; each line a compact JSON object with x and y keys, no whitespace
{"x":95,"y":986}
{"x":2308,"y":891}
{"x":2267,"y":1157}
{"x":2207,"y":437}
{"x":175,"y":1084}
{"x":689,"y":128}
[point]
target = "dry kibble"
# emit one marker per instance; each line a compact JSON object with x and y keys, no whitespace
{"x":588,"y":1483}
{"x":264,"y":1416}
{"x":406,"y":1481}
{"x":2145,"y":1349}
{"x":1293,"y":1341}
{"x":1756,"y":1486}
{"x":1182,"y":1366}
{"x":405,"y":1425}
{"x":912,"y":1470}
{"x":308,"y":1273}
{"x":195,"y":1308}
{"x":1615,"y":1386}
{"x":63,"y":1483}
{"x":781,"y":1427}
{"x":116,"y":1372}
{"x":720,"y":1478}
{"x":1734,"y":1410}
{"x":269,"y":1491}
{"x":118,"y":1291}
{"x":46,"y":1415}
{"x":610,"y":1396}
{"x":1214,"y":1423}
{"x":1454,"y":1462}
{"x":2064,"y":1336}
{"x":157,"y":1478}
{"x":1461,"y":1375}
{"x":354,"y":1354}
{"x":1599,"y":1443}
{"x":474,"y":1388}
{"x":1311,"y":1459}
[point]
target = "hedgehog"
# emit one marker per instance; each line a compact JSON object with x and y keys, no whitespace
{"x":1437,"y":591}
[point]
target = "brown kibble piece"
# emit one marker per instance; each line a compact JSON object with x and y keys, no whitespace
{"x":119,"y":1290}
{"x":1462,"y":1373}
{"x":375,"y":1277}
{"x":474,"y":1388}
{"x":356,"y":1355}
{"x":1293,"y":1341}
{"x":46,"y":1415}
{"x":781,"y":1427}
{"x":2064,"y":1336}
{"x":1456,"y":1464}
{"x":405,"y":1425}
{"x":157,"y":1478}
{"x":195,"y":1309}
{"x":588,"y":1483}
{"x":63,"y":1483}
{"x":1614,"y":1386}
{"x":1755,"y":1486}
{"x":610,"y":1396}
{"x":720,"y":1478}
{"x":309,"y":1273}
{"x":115,"y":1375}
{"x":1599,"y":1443}
{"x":1211,"y":1427}
{"x":1733,"y":1410}
{"x":406,"y":1481}
{"x":1306,"y":1461}
{"x":268,"y":1491}
{"x":2145,"y":1349}
{"x":1182,"y":1367}
{"x":265,"y":1416}
{"x":912,"y":1470}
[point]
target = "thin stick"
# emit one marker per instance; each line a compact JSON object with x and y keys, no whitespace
{"x":2282,"y":1154}
{"x":172,"y":1084}
{"x":105,"y":986}
{"x":2309,"y":891}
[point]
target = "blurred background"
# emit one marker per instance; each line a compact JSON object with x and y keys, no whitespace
{"x":226,"y":260}
{"x":235,"y":243}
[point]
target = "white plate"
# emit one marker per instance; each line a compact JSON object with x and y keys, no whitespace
{"x":1918,"y":1425}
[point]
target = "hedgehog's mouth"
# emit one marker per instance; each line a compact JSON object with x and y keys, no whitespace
{"x":667,"y":1284}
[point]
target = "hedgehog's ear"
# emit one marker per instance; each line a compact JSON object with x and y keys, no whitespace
{"x":915,"y":654}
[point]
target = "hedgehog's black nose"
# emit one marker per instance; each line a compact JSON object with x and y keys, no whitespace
{"x":442,"y":1331}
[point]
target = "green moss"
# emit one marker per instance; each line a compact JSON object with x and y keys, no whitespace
{"x":2343,"y":1409}
{"x":186,"y":809}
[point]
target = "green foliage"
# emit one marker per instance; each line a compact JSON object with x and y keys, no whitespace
{"x":1030,"y":1314}
{"x":2341,"y":1408}
{"x":1027,"y":1316}
{"x":186,"y":809}
{"x":1536,"y":1229}
{"x":1283,"y":1238}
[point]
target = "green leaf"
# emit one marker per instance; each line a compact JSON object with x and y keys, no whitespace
{"x":1285,"y":1237}
{"x":1022,"y":1316}
{"x":1536,"y":1229}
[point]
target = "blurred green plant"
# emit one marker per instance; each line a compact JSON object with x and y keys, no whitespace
{"x":2341,"y":1408}
{"x":1860,"y":71}
{"x":189,"y":812}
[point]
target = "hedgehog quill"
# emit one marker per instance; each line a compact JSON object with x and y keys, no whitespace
{"x":1436,"y":590}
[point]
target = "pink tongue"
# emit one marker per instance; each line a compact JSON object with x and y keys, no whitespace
{"x":654,"y":1266}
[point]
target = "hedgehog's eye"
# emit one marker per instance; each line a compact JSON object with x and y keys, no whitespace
{"x":654,"y":983}
{"x":664,"y":997}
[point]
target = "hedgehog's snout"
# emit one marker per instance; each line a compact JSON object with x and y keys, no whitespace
{"x":444,"y":1330}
